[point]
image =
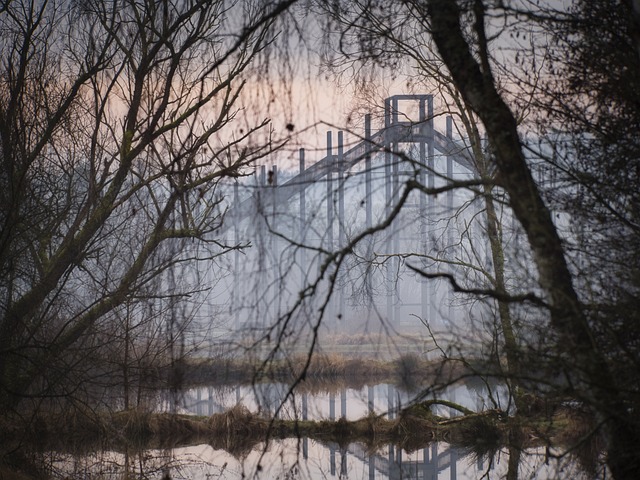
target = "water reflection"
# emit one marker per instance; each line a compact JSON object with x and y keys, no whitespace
{"x":308,"y":459}
{"x":349,"y":403}
{"x":396,"y":463}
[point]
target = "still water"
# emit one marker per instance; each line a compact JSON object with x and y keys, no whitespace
{"x":309,"y":459}
{"x":322,"y":404}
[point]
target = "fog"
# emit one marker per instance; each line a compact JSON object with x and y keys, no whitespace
{"x":295,"y":224}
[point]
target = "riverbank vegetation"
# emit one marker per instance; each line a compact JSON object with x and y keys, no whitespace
{"x":239,"y":431}
{"x":409,"y":369}
{"x":549,"y":423}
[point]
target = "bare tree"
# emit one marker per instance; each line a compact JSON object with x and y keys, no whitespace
{"x":592,"y":373}
{"x":485,"y":81}
{"x":368,"y":40}
{"x":116,"y":131}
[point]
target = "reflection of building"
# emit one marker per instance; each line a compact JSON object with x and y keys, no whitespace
{"x":348,"y":403}
{"x":426,"y":463}
{"x":384,"y":399}
{"x":354,"y":461}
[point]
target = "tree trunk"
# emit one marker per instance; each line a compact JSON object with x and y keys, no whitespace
{"x":591,"y":370}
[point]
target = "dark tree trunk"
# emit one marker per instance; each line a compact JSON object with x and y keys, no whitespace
{"x":592,"y":373}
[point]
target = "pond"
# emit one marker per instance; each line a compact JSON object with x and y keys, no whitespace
{"x":306,"y":458}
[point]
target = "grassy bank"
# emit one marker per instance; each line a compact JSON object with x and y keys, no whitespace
{"x":407,"y":369}
{"x":239,"y":430}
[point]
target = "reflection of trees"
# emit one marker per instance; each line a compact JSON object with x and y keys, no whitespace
{"x":388,"y":462}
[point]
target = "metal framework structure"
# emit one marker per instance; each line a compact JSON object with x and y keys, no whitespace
{"x":338,"y":165}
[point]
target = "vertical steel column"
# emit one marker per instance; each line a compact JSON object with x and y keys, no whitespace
{"x":394,"y":158}
{"x":424,"y":283}
{"x":274,"y":244}
{"x":303,"y":206}
{"x":262,"y":242}
{"x":329,"y":238}
{"x":261,"y":193}
{"x":273,"y":193}
{"x":235,"y":298}
{"x":332,"y":459}
{"x":453,"y":464}
{"x":431,"y":184}
{"x":329,"y":242}
{"x":305,"y":406}
{"x":393,"y":465}
{"x":480,"y":463}
{"x":367,"y":169}
{"x":341,"y":232}
{"x":387,"y":155}
{"x":367,"y":193}
{"x":394,"y":110}
{"x":450,"y":208}
{"x":303,"y":220}
{"x":388,"y":116}
{"x":395,"y":239}
{"x":434,"y":457}
{"x":342,"y":239}
{"x":450,"y":161}
{"x":343,"y":463}
{"x":427,"y":469}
